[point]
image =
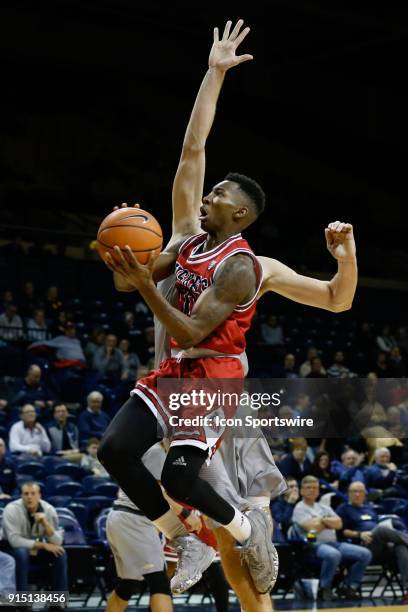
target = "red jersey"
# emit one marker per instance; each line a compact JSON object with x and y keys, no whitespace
{"x":196,"y":270}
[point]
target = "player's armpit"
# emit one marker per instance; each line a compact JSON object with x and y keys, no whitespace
{"x":303,"y":289}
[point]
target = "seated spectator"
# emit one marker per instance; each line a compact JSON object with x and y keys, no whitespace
{"x":272,"y":332}
{"x":296,"y":464}
{"x":383,"y":475}
{"x":316,"y":369}
{"x":32,"y":531}
{"x":338,"y":369}
{"x":128,"y":329}
{"x":7,"y":577}
{"x":11,"y":325}
{"x":312,"y":517}
{"x":93,"y":420}
{"x":282,"y":508}
{"x":108,"y":360}
{"x":28,"y":301}
{"x":131,"y":361}
{"x":53,"y":303}
{"x":321,"y":469}
{"x":350,"y":469}
{"x":145,"y":346}
{"x":90,"y":461}
{"x":96,"y":340}
{"x":58,"y":325}
{"x":306,"y":366}
{"x":28,"y":436}
{"x":7,"y":473}
{"x":37,"y":328}
{"x":302,"y":405}
{"x":381,"y":367}
{"x":385,"y":341}
{"x":396,"y":363}
{"x":68,"y":348}
{"x":289,"y":366}
{"x":361,"y":525}
{"x":32,"y":390}
{"x":397,"y":422}
{"x":6,"y":300}
{"x":64,"y":435}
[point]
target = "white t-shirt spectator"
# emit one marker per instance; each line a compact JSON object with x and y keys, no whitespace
{"x":26,"y":440}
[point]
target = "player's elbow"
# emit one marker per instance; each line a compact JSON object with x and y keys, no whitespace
{"x":340,"y":307}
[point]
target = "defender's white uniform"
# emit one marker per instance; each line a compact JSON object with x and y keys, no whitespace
{"x":242,"y":470}
{"x":134,"y":540}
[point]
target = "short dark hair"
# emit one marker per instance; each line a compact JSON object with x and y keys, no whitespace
{"x":251,"y":188}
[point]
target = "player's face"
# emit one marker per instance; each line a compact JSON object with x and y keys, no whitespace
{"x":218,"y":207}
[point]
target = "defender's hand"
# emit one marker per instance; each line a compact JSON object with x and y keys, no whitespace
{"x":222,"y":54}
{"x":126,"y":264}
{"x":340,"y":241}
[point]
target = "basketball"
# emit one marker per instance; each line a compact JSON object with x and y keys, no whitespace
{"x":130,"y":226}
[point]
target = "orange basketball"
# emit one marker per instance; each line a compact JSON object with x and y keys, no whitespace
{"x":130,"y":226}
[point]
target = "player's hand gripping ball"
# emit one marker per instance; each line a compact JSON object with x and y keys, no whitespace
{"x":132,"y":226}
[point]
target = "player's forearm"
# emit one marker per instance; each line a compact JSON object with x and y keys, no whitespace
{"x":343,"y":285}
{"x":181,"y":327}
{"x":203,"y":112}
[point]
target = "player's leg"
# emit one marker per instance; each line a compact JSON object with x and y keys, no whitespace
{"x":238,"y":575}
{"x":159,"y":587}
{"x":130,"y":434}
{"x":253,"y":531}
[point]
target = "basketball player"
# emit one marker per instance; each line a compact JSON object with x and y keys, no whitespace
{"x":298,"y":288}
{"x":213,"y":314}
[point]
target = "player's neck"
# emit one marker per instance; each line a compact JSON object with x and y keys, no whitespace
{"x":213,"y":240}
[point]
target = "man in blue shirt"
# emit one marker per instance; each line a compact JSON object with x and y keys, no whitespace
{"x":93,"y":420}
{"x":361,"y":525}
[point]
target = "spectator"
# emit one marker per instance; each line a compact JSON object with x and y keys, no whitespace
{"x":282,"y":508}
{"x":289,"y":366}
{"x":96,"y":340}
{"x":385,"y":341}
{"x":381,"y":368}
{"x":397,"y":422}
{"x":306,"y":366}
{"x":128,"y":329}
{"x":316,"y":369}
{"x":64,"y":435}
{"x":383,"y":475}
{"x":28,"y":300}
{"x":31,"y":390}
{"x":7,"y":299}
{"x":31,"y":528}
{"x":313,"y":517}
{"x":7,"y":577}
{"x":145,"y":348}
{"x":90,"y":461}
{"x":396,"y":363}
{"x":58,"y":326}
{"x":93,"y":421}
{"x":296,"y":464}
{"x":302,"y":405}
{"x":37,"y":328}
{"x":108,"y":360}
{"x":11,"y":324}
{"x":321,"y":469}
{"x":131,"y":361}
{"x":272,"y":332}
{"x":69,"y":351}
{"x":361,"y":524}
{"x":338,"y":369}
{"x":402,"y":339}
{"x":7,"y":473}
{"x":53,"y":304}
{"x":28,"y":436}
{"x":350,"y":469}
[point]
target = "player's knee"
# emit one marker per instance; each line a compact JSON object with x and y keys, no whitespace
{"x":158,"y":583}
{"x":125,"y":589}
{"x":176,"y":487}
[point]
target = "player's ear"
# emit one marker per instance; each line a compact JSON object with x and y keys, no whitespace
{"x":241,"y":212}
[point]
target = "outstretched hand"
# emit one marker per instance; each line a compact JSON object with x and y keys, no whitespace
{"x":125,"y":263}
{"x":340,"y":241}
{"x":222,"y":54}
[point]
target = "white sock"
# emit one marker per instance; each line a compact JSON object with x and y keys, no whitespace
{"x":170,"y":525}
{"x":239,"y":527}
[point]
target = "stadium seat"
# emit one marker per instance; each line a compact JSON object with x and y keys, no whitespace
{"x":100,"y":524}
{"x":52,"y":481}
{"x":59,"y":501}
{"x":75,"y":472}
{"x":71,"y":488}
{"x":31,"y":467}
{"x":389,"y":505}
{"x":90,"y":482}
{"x":22,"y":478}
{"x":50,"y":462}
{"x":80,"y":511}
{"x":94,"y":504}
{"x":73,"y":533}
{"x":108,"y":489}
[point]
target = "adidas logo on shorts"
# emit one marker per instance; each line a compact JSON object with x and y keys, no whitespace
{"x":180,"y":461}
